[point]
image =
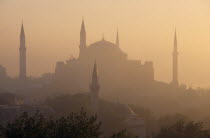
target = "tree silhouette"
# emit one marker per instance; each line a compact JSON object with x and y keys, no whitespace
{"x":75,"y":125}
{"x":181,"y":129}
{"x":123,"y":134}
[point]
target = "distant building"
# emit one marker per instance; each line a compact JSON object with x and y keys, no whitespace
{"x":3,"y":72}
{"x":117,"y":72}
{"x":10,"y":99}
{"x":135,"y":124}
{"x":22,"y":50}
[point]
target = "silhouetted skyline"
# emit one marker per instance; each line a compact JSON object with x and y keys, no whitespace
{"x":105,"y":68}
{"x":150,"y":23}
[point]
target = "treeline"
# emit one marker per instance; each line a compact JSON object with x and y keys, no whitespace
{"x":82,"y":125}
{"x":75,"y":125}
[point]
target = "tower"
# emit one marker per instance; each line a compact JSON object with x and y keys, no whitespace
{"x":82,"y":45}
{"x":175,"y":62}
{"x":103,"y":38}
{"x":22,"y":50}
{"x":94,"y":88}
{"x":117,"y":39}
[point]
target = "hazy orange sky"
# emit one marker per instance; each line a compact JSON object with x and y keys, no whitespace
{"x":146,"y":29}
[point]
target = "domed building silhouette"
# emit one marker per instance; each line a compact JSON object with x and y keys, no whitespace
{"x":116,"y":71}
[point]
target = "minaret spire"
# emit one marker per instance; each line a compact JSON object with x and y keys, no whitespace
{"x":83,"y":45}
{"x":83,"y":26}
{"x":175,"y":61}
{"x":94,"y":87}
{"x":22,"y":50}
{"x":22,"y":33}
{"x":175,"y":41}
{"x":103,"y":38}
{"x":95,"y":75}
{"x":117,"y":39}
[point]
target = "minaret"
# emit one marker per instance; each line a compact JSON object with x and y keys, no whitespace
{"x":94,"y":88}
{"x":117,"y":39}
{"x":22,"y":49}
{"x":103,"y":39}
{"x":83,"y":45}
{"x":175,"y":62}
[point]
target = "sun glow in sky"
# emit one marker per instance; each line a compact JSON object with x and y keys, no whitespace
{"x":146,"y":29}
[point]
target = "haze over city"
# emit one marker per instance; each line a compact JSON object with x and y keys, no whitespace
{"x":146,"y":32}
{"x":104,"y":68}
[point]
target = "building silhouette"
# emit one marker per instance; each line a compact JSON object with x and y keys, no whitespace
{"x":175,"y":62}
{"x":117,"y":72}
{"x":22,"y":50}
{"x":3,"y":72}
{"x":135,"y":124}
{"x":94,"y":89}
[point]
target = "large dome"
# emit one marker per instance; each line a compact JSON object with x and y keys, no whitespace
{"x":103,"y":43}
{"x":104,"y":47}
